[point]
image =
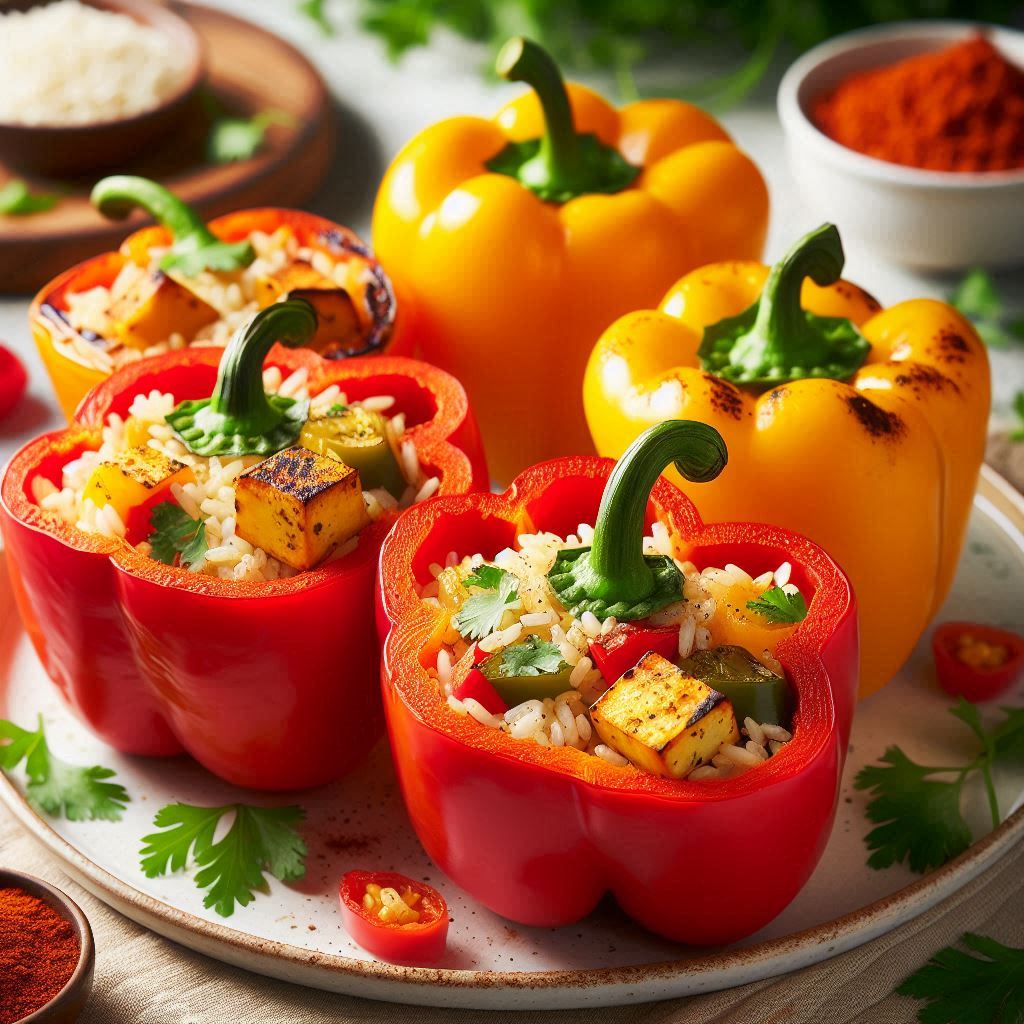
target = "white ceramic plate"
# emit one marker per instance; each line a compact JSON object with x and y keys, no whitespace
{"x":294,"y":932}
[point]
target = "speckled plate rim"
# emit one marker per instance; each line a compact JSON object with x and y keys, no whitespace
{"x":702,"y":971}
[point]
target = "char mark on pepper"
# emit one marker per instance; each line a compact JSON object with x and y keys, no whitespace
{"x":725,"y":397}
{"x":951,"y":347}
{"x":921,"y":379}
{"x":875,"y":420}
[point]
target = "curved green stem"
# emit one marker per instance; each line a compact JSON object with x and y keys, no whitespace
{"x":613,"y":576}
{"x":776,"y":339}
{"x":240,"y":418}
{"x":195,"y":247}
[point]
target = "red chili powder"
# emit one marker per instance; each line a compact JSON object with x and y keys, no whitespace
{"x":38,"y":954}
{"x":960,"y":109}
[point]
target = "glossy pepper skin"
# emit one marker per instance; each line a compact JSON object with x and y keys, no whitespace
{"x":509,"y":291}
{"x":269,"y":685}
{"x":558,"y":828}
{"x":72,"y":380}
{"x":880,"y":470}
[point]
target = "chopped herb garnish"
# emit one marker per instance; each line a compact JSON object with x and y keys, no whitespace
{"x":240,"y":138}
{"x":175,"y":533}
{"x":532,"y":657}
{"x":778,"y":605}
{"x":1017,"y":433}
{"x":963,"y":989}
{"x":56,"y":787}
{"x":916,"y":808}
{"x":978,"y":299}
{"x":316,"y":11}
{"x":17,"y":200}
{"x":480,"y":614}
{"x":260,"y":839}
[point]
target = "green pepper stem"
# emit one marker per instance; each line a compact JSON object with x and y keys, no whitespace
{"x":522,"y":60}
{"x":239,"y":393}
{"x":617,"y":564}
{"x":782,"y":335}
{"x":118,"y":195}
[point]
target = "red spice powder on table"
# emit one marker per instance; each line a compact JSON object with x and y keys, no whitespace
{"x":960,"y":109}
{"x":38,"y":954}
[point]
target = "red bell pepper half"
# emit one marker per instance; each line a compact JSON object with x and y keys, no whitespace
{"x":13,"y":380}
{"x":977,"y":662}
{"x":417,"y":942}
{"x":269,"y":685}
{"x":539,"y":834}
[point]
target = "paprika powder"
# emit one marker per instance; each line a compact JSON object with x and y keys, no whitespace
{"x":958,"y":109}
{"x":39,"y":952}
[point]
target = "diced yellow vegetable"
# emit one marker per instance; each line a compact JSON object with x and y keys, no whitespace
{"x":663,"y":720}
{"x":155,"y":306}
{"x":450,"y":591}
{"x":292,"y":276}
{"x":133,"y":478}
{"x":299,"y":506}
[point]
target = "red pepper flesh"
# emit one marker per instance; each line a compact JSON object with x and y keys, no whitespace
{"x":13,"y":380}
{"x":628,"y":642}
{"x":539,"y":834}
{"x":420,"y":942}
{"x":269,"y":685}
{"x":478,"y":687}
{"x":976,"y":682}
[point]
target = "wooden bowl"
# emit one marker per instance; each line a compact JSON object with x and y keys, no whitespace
{"x":68,"y":1004}
{"x":68,"y":150}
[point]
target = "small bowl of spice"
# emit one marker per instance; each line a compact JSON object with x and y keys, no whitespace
{"x":46,"y":953}
{"x":86,"y":85}
{"x":911,"y":138}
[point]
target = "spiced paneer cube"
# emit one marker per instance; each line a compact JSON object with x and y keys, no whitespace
{"x":299,"y":506}
{"x":133,"y":478}
{"x":153,"y":307}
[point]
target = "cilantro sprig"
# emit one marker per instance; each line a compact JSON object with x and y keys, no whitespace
{"x":480,"y":614}
{"x":978,"y":299}
{"x":55,"y":786}
{"x":240,"y":138}
{"x":18,"y":200}
{"x":963,"y":989}
{"x":778,"y":605}
{"x":532,"y":657}
{"x":175,"y":533}
{"x":916,"y":808}
{"x":232,"y":869}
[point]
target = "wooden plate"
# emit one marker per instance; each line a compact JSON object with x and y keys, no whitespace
{"x":294,"y":932}
{"x":248,"y":70}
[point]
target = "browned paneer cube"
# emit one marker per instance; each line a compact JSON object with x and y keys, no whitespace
{"x":663,"y":720}
{"x":299,"y":506}
{"x":134,"y":477}
{"x":154,"y":306}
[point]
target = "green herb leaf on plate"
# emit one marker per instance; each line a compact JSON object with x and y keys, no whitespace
{"x":961,"y":988}
{"x":17,"y":200}
{"x":240,"y":138}
{"x":978,"y":299}
{"x":480,"y":614}
{"x":260,"y":840}
{"x":532,"y":657}
{"x":316,"y":12}
{"x":1017,"y":433}
{"x":55,"y":786}
{"x":777,"y":605}
{"x":175,"y":533}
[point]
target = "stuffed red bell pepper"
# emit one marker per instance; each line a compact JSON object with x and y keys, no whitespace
{"x":668,"y":703}
{"x":194,"y":557}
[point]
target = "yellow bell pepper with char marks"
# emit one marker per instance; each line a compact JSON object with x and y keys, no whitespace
{"x":862,"y":428}
{"x":513,"y":242}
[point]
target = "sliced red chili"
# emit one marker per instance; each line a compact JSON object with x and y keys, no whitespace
{"x":977,"y":662}
{"x":413,"y":930}
{"x":628,"y":642}
{"x":478,"y":686}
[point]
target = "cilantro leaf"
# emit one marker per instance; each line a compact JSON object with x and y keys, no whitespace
{"x":176,"y":532}
{"x":1017,"y":434}
{"x":240,"y":138}
{"x":963,"y":989}
{"x":1008,"y":736}
{"x":480,"y":614}
{"x":315,"y":11}
{"x":337,"y":409}
{"x":976,"y":296}
{"x":259,"y":840}
{"x":776,"y":605}
{"x":918,"y":818}
{"x":56,"y":787}
{"x":16,"y":200}
{"x":532,"y":657}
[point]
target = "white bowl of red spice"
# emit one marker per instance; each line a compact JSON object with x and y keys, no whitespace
{"x":46,"y":953}
{"x":911,"y":138}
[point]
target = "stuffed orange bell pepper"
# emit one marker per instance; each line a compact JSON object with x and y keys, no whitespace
{"x":183,"y":282}
{"x":862,"y":428}
{"x":514,"y":241}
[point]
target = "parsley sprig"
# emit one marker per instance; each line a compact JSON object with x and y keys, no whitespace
{"x":175,"y":533}
{"x":532,"y":657}
{"x":55,"y":786}
{"x":17,"y":200}
{"x":963,"y":989}
{"x":778,"y":605}
{"x":480,"y":614}
{"x":259,"y":840}
{"x":916,"y":808}
{"x":977,"y":297}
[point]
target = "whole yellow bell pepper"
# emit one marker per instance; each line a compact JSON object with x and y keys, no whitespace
{"x":513,"y":242}
{"x":862,"y":428}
